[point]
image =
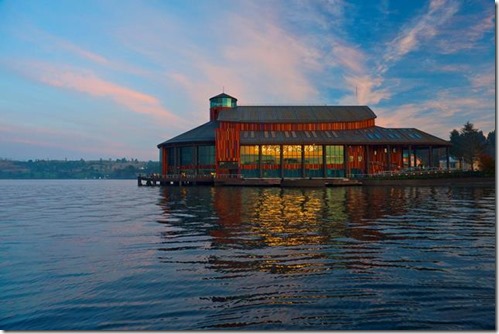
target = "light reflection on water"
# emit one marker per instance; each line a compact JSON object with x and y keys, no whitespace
{"x":110,"y":255}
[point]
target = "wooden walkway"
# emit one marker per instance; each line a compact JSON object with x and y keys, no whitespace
{"x":177,"y":180}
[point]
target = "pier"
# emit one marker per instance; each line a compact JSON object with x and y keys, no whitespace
{"x":415,"y":178}
{"x":238,"y":180}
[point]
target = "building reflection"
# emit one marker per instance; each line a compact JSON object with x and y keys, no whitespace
{"x":286,"y":230}
{"x":293,"y":217}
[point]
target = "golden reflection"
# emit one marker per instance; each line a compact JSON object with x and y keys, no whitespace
{"x":290,"y":226}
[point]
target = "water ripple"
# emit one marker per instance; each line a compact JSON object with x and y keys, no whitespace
{"x":90,"y":255}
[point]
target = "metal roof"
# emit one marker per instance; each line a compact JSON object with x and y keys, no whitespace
{"x":203,"y":133}
{"x":296,"y":114}
{"x":370,"y":136}
{"x":222,"y":95}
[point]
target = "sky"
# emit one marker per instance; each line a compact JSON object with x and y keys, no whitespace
{"x":112,"y":79}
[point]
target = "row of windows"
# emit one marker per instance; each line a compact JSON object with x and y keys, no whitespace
{"x":186,"y":156}
{"x":291,"y":154}
{"x":223,"y":102}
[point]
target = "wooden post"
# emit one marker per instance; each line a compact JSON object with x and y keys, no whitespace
{"x":447,"y":157}
{"x":302,"y":161}
{"x":409,"y":154}
{"x":366,"y":149}
{"x":388,"y":158}
{"x":196,"y":160}
{"x":281,"y":157}
{"x":345,"y":159}
{"x":324,"y":161}
{"x":430,"y":156}
{"x":260,"y":171}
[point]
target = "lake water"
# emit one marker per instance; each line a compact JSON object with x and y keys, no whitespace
{"x":91,"y":255}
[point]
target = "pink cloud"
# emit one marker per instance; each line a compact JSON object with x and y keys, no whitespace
{"x":89,"y":83}
{"x":262,"y":64}
{"x":349,"y":57}
{"x":365,"y":90}
{"x":441,"y":114}
{"x":271,"y":59}
{"x":92,"y":56}
{"x":484,"y":82}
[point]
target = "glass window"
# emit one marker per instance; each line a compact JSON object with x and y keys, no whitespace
{"x":335,"y":164}
{"x":206,"y":159}
{"x":186,"y":155}
{"x":334,"y":154}
{"x":170,"y":156}
{"x":223,"y":102}
{"x":291,"y":155}
{"x":271,"y":160}
{"x":249,"y":161}
{"x":313,"y":161}
{"x":206,"y":155}
{"x":249,"y":155}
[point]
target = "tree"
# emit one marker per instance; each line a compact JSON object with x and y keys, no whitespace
{"x":469,"y":143}
{"x":490,"y":146}
{"x":487,"y":164}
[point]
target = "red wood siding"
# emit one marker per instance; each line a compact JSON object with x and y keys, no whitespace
{"x":297,"y":126}
{"x":226,"y":146}
{"x":164,"y":160}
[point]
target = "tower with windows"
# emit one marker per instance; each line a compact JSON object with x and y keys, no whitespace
{"x":219,"y":103}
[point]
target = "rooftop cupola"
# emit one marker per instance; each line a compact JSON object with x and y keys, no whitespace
{"x":221,"y":102}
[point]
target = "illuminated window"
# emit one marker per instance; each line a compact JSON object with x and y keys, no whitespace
{"x":249,"y":161}
{"x":271,"y":160}
{"x":291,"y":155}
{"x":334,"y":154}
{"x":249,"y":155}
{"x":313,"y":160}
{"x":335,"y":164}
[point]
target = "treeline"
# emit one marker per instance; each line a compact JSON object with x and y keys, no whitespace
{"x":76,"y":169}
{"x":476,"y":149}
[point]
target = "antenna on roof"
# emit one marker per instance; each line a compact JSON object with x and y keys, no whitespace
{"x":223,"y":89}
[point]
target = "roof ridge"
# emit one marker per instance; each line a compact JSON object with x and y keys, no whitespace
{"x":302,"y":105}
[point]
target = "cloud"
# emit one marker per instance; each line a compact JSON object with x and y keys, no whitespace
{"x":268,"y":57}
{"x":367,"y":91}
{"x":87,"y":82}
{"x":349,"y":57}
{"x":86,"y":54}
{"x":419,"y":31}
{"x":466,"y":37}
{"x":258,"y":61}
{"x":447,"y":110}
{"x":484,"y":82}
{"x":365,"y":86}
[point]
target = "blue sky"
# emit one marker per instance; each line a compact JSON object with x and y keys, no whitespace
{"x":112,"y":79}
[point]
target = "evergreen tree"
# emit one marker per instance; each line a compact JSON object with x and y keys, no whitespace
{"x":469,"y":143}
{"x":491,"y":144}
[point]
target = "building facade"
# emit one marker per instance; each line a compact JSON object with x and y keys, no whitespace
{"x":296,"y":142}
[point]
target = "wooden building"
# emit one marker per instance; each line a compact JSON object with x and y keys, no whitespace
{"x":296,"y":142}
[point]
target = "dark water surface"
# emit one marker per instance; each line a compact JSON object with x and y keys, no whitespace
{"x":111,"y":255}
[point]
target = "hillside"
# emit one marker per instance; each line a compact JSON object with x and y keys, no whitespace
{"x":76,"y":169}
